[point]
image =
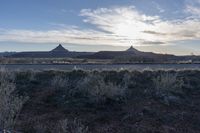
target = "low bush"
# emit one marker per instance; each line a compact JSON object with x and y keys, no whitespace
{"x":59,"y":82}
{"x":109,"y":101}
{"x":97,"y":90}
{"x":10,"y":103}
{"x":73,"y":126}
{"x":168,"y":87}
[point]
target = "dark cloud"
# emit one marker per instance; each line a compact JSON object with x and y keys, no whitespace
{"x":154,"y":32}
{"x":152,"y":42}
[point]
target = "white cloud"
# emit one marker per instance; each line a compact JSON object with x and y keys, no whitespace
{"x":116,"y":26}
{"x":193,"y":10}
{"x":67,"y":35}
{"x":193,"y":7}
{"x":133,"y":25}
{"x":158,"y":7}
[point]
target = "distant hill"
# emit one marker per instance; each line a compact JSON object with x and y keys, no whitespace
{"x":131,"y":49}
{"x":4,"y":54}
{"x":130,"y":54}
{"x":58,"y":52}
{"x":59,"y":48}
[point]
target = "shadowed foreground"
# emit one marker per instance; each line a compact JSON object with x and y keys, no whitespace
{"x":108,"y":101}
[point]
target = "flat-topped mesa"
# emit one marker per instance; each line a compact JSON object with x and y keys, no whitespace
{"x":131,"y":49}
{"x":59,"y":48}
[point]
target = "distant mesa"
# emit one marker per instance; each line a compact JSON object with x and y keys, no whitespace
{"x":61,"y":52}
{"x":59,"y":48}
{"x":116,"y":54}
{"x":129,"y":55}
{"x":58,"y":52}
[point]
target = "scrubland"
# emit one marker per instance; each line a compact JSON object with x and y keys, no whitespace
{"x":100,"y":101}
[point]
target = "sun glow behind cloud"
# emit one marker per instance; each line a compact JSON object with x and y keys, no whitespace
{"x":140,"y":28}
{"x":118,"y":26}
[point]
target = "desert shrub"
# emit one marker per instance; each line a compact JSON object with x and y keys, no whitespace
{"x":10,"y":103}
{"x":137,"y":84}
{"x":40,"y":128}
{"x":58,"y":126}
{"x":59,"y":82}
{"x":73,"y":126}
{"x":98,"y":91}
{"x":32,"y":75}
{"x":168,"y":86}
{"x":128,"y":81}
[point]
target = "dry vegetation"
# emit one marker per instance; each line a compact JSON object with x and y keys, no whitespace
{"x":10,"y":103}
{"x":100,"y":101}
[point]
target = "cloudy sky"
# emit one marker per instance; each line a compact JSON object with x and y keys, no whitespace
{"x":162,"y":26}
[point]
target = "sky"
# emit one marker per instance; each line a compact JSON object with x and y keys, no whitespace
{"x":161,"y":26}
